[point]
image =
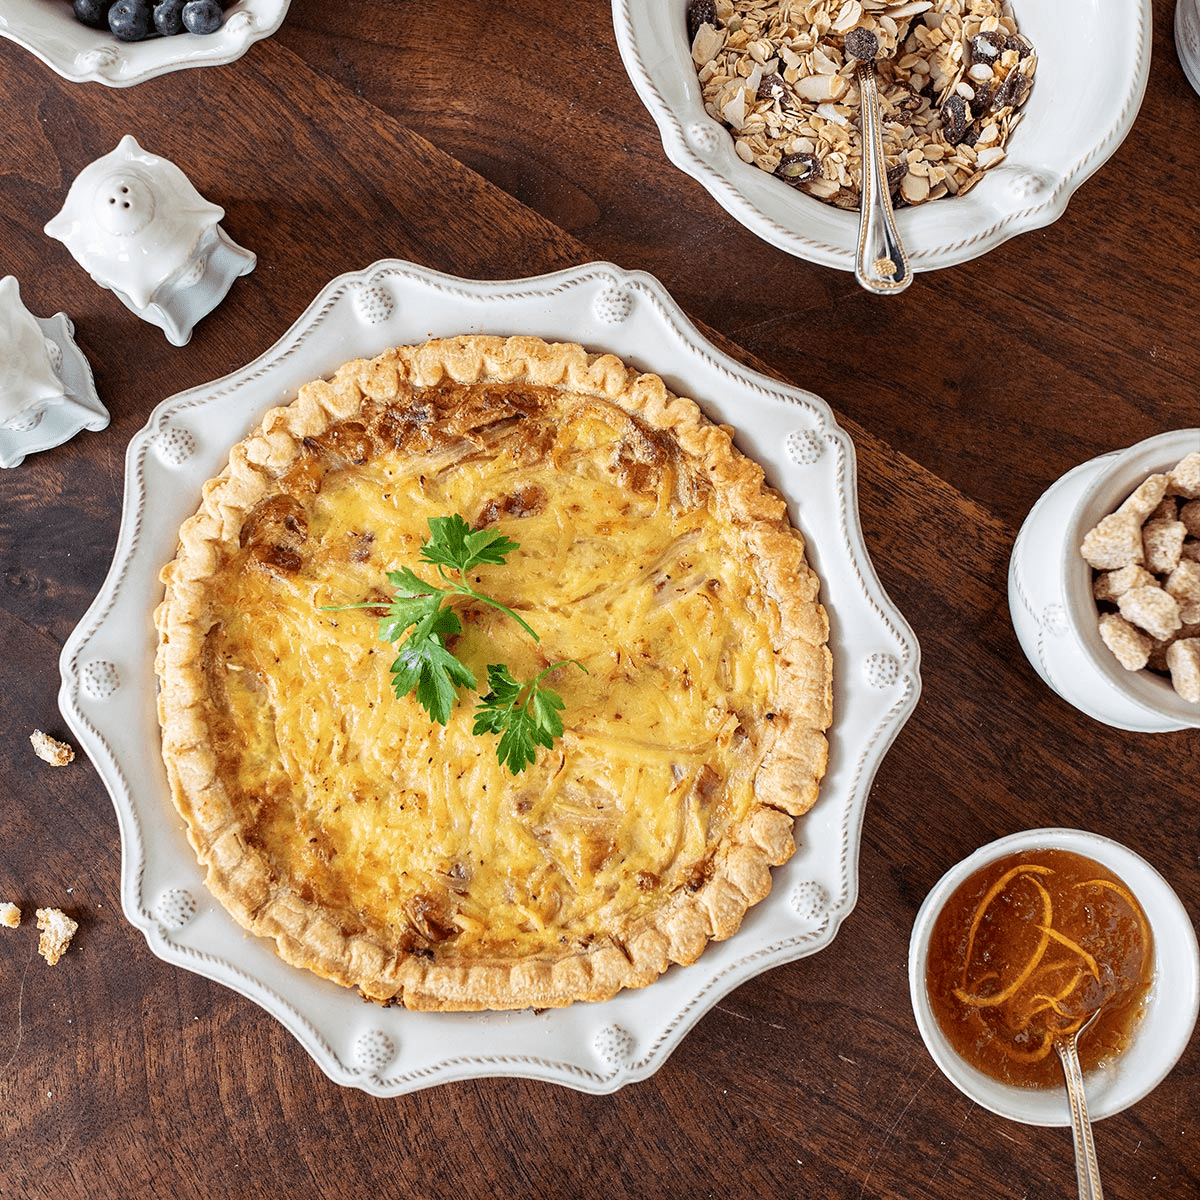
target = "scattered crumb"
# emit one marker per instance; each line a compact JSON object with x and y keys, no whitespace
{"x":51,"y":750}
{"x":10,"y":914}
{"x":57,"y":931}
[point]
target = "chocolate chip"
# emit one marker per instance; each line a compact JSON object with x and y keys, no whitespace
{"x":1022,"y":45}
{"x":1013,"y":92}
{"x":772,"y":87}
{"x":956,"y":118}
{"x":700,"y":12}
{"x":798,"y":168}
{"x":861,"y":43}
{"x":987,"y":47}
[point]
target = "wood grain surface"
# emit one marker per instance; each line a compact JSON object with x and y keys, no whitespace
{"x":498,"y":140}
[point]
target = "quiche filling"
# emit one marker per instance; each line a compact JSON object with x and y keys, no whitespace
{"x":400,"y":856}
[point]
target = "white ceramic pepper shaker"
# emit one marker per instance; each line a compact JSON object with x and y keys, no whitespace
{"x":136,"y":224}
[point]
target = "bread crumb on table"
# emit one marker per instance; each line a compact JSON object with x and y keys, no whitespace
{"x":57,"y":931}
{"x":10,"y":914}
{"x":51,"y":750}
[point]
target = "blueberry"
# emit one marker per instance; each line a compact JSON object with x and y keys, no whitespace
{"x":168,"y":16}
{"x":92,"y":12}
{"x":202,"y":16}
{"x":131,"y":20}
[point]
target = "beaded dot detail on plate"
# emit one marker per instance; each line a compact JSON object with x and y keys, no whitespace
{"x":174,"y":445}
{"x":98,"y":59}
{"x":704,"y":138}
{"x":100,"y":679}
{"x":613,"y":305}
{"x":175,"y":908}
{"x":804,"y":447}
{"x":373,"y":303}
{"x":1026,"y":184}
{"x":810,"y":900}
{"x":614,"y":1044}
{"x":1054,"y":619}
{"x":882,"y":670}
{"x":374,"y":1051}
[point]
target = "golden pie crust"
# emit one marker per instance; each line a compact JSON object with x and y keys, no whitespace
{"x":398,"y":856}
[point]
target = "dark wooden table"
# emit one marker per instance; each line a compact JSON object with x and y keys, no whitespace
{"x":496,"y":140}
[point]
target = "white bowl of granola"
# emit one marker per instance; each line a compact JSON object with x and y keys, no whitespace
{"x":1104,"y":585}
{"x":975,"y":156}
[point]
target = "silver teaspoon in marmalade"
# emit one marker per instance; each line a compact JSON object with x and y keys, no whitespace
{"x":881,"y":264}
{"x":1087,"y":1169}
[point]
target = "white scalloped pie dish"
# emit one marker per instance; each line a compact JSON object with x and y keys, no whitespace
{"x":48,"y":30}
{"x":1093,"y":64}
{"x":108,"y":684}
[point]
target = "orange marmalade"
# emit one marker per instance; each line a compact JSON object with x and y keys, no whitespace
{"x":1025,"y":951}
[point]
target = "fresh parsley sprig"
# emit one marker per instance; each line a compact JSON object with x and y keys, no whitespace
{"x":524,"y":713}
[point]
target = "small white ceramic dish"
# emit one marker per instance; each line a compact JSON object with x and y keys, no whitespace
{"x":81,"y":54}
{"x":1050,"y":592}
{"x":1093,"y":64}
{"x":1166,"y":1025}
{"x":108,"y":684}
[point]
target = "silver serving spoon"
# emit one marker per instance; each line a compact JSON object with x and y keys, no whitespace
{"x":1087,"y":1169}
{"x":881,"y":264}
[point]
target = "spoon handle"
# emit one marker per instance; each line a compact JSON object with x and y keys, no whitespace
{"x":1087,"y":1169}
{"x":881,"y":264}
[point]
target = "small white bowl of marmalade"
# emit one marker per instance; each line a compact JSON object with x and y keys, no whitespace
{"x":1020,"y":943}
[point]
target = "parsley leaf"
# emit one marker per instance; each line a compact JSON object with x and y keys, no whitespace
{"x":524,"y":714}
{"x":415,"y":603}
{"x":432,"y":671}
{"x":454,"y":544}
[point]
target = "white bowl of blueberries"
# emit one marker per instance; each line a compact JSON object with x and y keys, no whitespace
{"x":123,"y":42}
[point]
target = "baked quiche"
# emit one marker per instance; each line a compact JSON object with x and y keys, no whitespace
{"x":400,"y":855}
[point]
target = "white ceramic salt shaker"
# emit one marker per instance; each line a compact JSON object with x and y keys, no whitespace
{"x":136,"y":224}
{"x":1050,"y":592}
{"x":46,"y":390}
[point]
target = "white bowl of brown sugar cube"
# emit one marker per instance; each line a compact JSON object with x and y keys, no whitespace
{"x":994,"y":111}
{"x":1104,"y":585}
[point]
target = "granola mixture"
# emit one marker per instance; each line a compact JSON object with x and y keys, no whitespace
{"x":953,"y":76}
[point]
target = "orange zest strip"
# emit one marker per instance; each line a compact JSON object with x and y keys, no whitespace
{"x":1062,"y":939}
{"x":1054,"y":1002}
{"x":995,"y":890}
{"x":1000,"y":997}
{"x":1112,"y":887}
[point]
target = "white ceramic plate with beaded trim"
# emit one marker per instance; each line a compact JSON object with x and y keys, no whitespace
{"x":1093,"y":64}
{"x":108,"y":684}
{"x":81,"y":54}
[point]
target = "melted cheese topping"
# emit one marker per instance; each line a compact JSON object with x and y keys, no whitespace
{"x":414,"y":832}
